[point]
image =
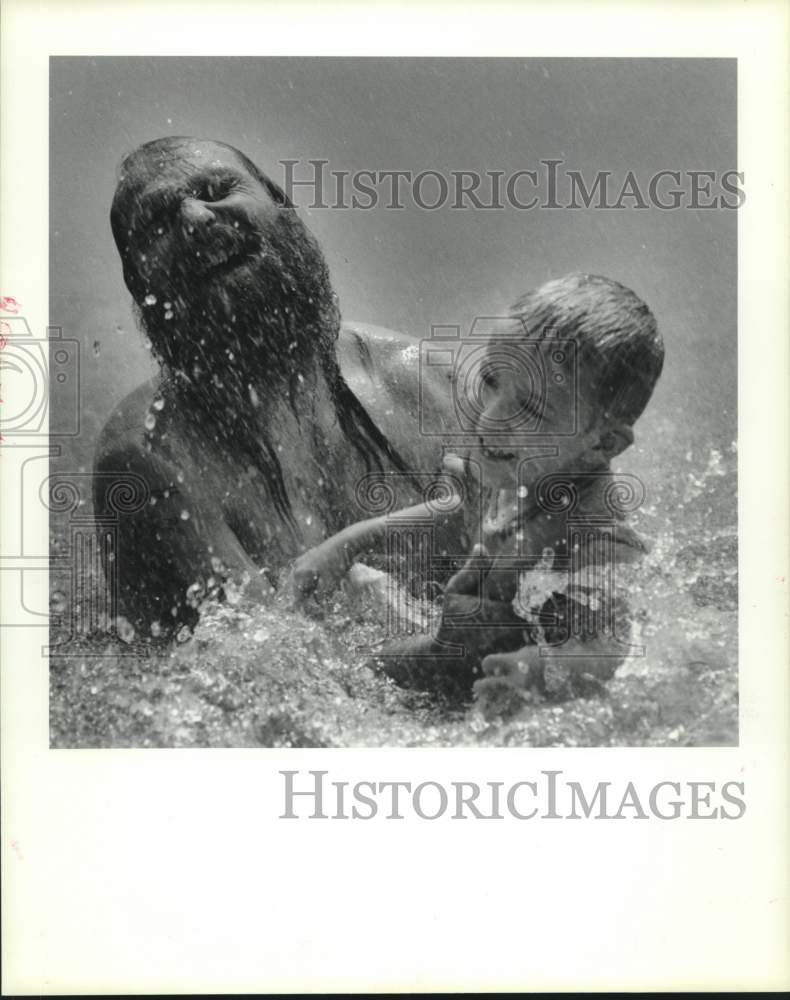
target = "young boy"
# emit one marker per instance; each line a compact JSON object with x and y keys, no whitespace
{"x":556,"y":391}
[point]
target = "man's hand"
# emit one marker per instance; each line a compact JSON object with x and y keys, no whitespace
{"x":469,"y":580}
{"x":319,"y":571}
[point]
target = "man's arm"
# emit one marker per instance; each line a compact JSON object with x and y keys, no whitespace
{"x":320,"y":570}
{"x":171,"y":552}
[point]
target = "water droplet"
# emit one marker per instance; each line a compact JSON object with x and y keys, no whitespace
{"x":522,"y":491}
{"x":57,"y":602}
{"x":168,"y":314}
{"x":150,"y":300}
{"x":124,"y":628}
{"x":254,"y":398}
{"x":150,"y":421}
{"x":159,"y":403}
{"x":184,"y":515}
{"x":184,"y":634}
{"x":156,"y":629}
{"x":96,"y":348}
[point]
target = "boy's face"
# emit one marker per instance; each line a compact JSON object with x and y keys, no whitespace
{"x":530,"y":426}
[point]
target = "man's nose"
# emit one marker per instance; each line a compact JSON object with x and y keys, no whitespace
{"x":196,"y":215}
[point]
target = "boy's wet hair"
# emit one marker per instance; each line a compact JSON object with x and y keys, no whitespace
{"x":617,"y":339}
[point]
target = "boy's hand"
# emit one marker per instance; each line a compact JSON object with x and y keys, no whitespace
{"x":521,"y":668}
{"x":464,"y":473}
{"x":454,"y":465}
{"x":510,"y":682}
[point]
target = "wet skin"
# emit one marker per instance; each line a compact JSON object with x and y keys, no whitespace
{"x":522,"y":435}
{"x":193,"y":232}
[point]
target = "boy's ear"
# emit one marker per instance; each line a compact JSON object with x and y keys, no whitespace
{"x":615,"y":438}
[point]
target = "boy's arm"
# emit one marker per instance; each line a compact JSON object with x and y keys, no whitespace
{"x":575,"y":639}
{"x":581,"y":664}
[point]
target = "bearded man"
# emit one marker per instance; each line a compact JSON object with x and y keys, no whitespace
{"x":267,"y":412}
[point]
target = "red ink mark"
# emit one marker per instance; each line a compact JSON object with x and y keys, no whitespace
{"x":5,"y":328}
{"x":18,"y":853}
{"x":7,"y":304}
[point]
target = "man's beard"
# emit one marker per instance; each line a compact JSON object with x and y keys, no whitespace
{"x":233,"y":339}
{"x":246,"y":316}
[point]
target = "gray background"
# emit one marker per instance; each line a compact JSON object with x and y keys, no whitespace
{"x":408,"y":269}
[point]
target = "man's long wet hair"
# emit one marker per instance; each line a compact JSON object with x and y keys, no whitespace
{"x":312,"y":322}
{"x":620,"y":352}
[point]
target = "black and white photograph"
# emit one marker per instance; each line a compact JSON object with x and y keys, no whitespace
{"x":406,"y":395}
{"x":394,"y":436}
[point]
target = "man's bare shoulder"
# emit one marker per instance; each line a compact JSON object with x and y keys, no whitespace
{"x":383,"y":369}
{"x":376,"y":350}
{"x":161,"y":457}
{"x":126,"y":424}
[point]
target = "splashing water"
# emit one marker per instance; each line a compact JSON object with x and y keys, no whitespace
{"x":264,"y":675}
